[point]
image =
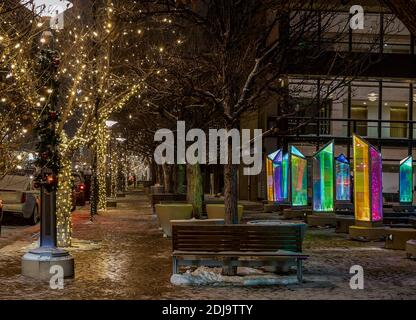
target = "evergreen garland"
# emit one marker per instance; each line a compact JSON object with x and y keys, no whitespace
{"x":48,"y":157}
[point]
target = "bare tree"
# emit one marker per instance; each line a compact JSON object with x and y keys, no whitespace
{"x":242,"y":53}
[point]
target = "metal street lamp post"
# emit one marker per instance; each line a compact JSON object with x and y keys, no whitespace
{"x":38,"y":262}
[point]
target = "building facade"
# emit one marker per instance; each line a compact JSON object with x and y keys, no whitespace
{"x":376,"y":102}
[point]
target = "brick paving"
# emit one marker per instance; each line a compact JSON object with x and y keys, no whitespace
{"x":129,"y":259}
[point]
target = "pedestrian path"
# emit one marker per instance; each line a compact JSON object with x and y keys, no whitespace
{"x":123,"y":255}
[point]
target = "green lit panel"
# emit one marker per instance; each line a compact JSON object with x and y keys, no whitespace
{"x":406,"y":180}
{"x":323,"y":179}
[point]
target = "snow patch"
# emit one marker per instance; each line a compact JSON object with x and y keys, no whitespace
{"x":246,"y":277}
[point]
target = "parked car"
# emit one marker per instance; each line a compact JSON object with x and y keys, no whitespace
{"x":19,"y":197}
{"x":79,"y":189}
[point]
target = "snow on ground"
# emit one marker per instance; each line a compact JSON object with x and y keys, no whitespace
{"x":245,"y":277}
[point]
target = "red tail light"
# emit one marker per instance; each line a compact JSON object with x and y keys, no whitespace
{"x":23,"y":198}
{"x":82,"y":187}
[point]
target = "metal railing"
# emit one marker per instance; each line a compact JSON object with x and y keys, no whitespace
{"x":380,"y":132}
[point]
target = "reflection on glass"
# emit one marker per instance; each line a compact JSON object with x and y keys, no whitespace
{"x":376,"y":185}
{"x":277,"y":170}
{"x":406,"y":180}
{"x":299,"y":178}
{"x":343,"y":181}
{"x":323,"y":179}
{"x":361,"y":179}
{"x":281,"y":172}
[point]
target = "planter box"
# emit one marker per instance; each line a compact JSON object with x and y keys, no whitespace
{"x":411,"y":249}
{"x":198,"y":222}
{"x":344,"y":223}
{"x":111,"y":203}
{"x":322,"y":220}
{"x":217,"y":211}
{"x":302,"y":225}
{"x":156,"y":189}
{"x":168,"y":212}
{"x":397,"y":238}
{"x":157,"y":198}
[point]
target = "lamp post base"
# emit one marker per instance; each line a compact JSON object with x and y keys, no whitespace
{"x":37,"y":263}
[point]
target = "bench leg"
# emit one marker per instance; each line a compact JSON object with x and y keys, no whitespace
{"x":300,"y":270}
{"x":174,"y":265}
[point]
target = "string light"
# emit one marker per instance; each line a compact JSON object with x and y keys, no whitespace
{"x":85,"y":77}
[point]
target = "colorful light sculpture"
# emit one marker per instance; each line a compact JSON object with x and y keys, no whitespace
{"x":277,"y":167}
{"x":406,"y":180}
{"x":368,"y":198}
{"x":269,"y":173}
{"x":298,"y":178}
{"x":280,"y":175}
{"x":343,"y":178}
{"x":323,"y":179}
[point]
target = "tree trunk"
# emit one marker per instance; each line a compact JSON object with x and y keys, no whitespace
{"x":153,"y":168}
{"x":94,"y":185}
{"x":230,"y":199}
{"x":181,"y":178}
{"x":195,"y":192}
{"x":175,"y":181}
{"x":64,"y":204}
{"x":102,"y":166}
{"x":230,"y":189}
{"x":167,"y":178}
{"x":159,"y":175}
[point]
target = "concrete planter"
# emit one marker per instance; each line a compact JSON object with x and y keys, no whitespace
{"x":303,"y":226}
{"x":157,"y":189}
{"x":111,"y":203}
{"x":158,"y":198}
{"x":168,"y":212}
{"x":198,"y":222}
{"x":217,"y":211}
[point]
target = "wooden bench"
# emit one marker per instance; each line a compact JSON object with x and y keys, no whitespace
{"x":237,"y":245}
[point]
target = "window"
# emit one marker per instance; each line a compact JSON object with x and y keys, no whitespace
{"x":307,"y":109}
{"x":398,"y":130}
{"x":360,"y":113}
